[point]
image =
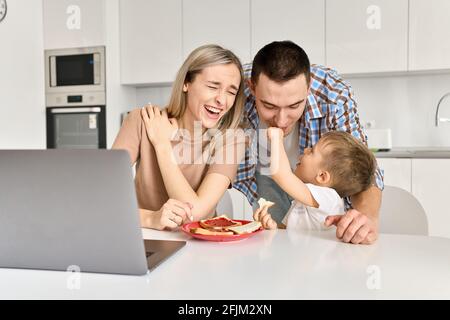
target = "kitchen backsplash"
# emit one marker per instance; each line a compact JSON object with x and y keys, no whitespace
{"x":405,"y":103}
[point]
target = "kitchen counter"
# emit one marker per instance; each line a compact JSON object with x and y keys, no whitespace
{"x":416,"y":152}
{"x":277,"y":264}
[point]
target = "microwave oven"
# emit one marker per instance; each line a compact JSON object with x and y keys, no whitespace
{"x":75,"y":77}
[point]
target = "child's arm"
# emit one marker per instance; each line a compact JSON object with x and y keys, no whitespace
{"x":282,"y":174}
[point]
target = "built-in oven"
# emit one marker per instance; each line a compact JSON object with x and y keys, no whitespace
{"x":76,"y":98}
{"x":76,"y":128}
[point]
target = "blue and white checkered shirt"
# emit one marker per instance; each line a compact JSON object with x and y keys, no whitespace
{"x":330,"y":106}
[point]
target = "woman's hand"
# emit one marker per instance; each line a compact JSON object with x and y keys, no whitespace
{"x":262,"y":215}
{"x":172,"y":214}
{"x":160,"y":129}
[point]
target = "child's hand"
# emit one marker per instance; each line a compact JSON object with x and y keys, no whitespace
{"x":274,"y":133}
{"x":263,"y":216}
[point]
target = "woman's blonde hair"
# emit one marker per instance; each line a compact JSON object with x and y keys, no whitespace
{"x":199,"y":59}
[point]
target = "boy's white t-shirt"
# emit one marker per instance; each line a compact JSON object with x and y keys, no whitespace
{"x":303,"y":217}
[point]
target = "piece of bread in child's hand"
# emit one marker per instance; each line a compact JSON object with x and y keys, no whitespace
{"x":264,"y":203}
{"x":246,"y":228}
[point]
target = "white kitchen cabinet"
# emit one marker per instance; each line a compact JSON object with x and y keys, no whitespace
{"x":429,"y":34}
{"x":397,"y":172}
{"x":301,"y":21}
{"x":70,"y":24}
{"x":431,"y":186}
{"x":150,"y":40}
{"x":226,"y":23}
{"x":365,"y":36}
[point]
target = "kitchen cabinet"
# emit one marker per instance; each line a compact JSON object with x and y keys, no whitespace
{"x":150,"y":40}
{"x":431,"y":186}
{"x":429,"y":34}
{"x":397,"y":172}
{"x":225,"y":23}
{"x":71,"y":24}
{"x":302,"y":21}
{"x":366,"y":35}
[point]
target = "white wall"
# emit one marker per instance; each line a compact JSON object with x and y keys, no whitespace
{"x":156,"y":95}
{"x":22,"y":100}
{"x":404,"y":103}
{"x":407,"y":105}
{"x":118,"y":98}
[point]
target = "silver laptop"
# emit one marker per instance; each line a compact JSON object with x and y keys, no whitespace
{"x":73,"y":210}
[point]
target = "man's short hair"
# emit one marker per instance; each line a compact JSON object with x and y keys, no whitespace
{"x":281,"y":61}
{"x":350,"y":163}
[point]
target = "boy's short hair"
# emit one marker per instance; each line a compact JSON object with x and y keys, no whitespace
{"x":350,"y":163}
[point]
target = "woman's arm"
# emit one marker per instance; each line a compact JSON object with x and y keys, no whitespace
{"x":207,"y":196}
{"x":159,"y":130}
{"x":173,"y":212}
{"x":282,"y":174}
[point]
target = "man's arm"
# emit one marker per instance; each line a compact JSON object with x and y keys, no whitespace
{"x":369,"y":202}
{"x":359,"y":225}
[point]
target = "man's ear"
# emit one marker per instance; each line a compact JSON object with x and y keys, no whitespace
{"x":323,"y":177}
{"x":251,"y":86}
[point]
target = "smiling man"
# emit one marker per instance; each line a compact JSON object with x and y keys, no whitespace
{"x":285,"y":91}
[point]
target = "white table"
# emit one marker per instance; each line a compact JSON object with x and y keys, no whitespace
{"x":270,"y":265}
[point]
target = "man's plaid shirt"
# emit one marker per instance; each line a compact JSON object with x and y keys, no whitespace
{"x":330,"y":106}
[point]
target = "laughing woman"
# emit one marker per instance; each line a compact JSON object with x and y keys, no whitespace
{"x":207,"y":100}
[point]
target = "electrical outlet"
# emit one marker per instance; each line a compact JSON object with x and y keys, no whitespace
{"x":369,"y":124}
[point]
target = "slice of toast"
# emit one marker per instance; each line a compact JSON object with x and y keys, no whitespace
{"x":218,"y":223}
{"x":209,"y":232}
{"x":264,"y":203}
{"x":246,"y":228}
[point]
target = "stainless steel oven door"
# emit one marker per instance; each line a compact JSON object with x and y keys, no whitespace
{"x":76,"y":128}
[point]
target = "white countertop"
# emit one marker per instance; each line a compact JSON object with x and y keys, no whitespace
{"x":416,"y":152}
{"x":270,"y":265}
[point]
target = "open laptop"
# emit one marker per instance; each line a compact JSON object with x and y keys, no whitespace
{"x":65,"y":209}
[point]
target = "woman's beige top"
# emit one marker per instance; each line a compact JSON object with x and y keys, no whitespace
{"x":150,"y":189}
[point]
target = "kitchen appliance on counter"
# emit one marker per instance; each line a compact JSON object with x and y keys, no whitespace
{"x":379,"y":139}
{"x":76,"y":98}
